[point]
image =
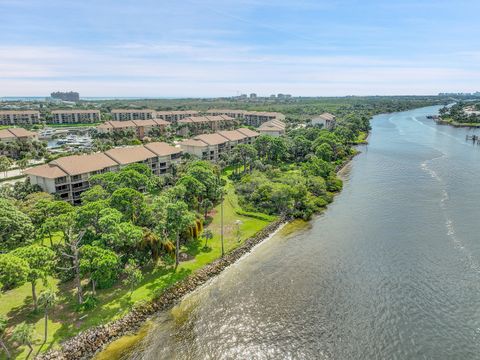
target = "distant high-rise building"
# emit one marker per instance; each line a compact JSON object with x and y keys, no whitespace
{"x":253,"y":96}
{"x":283,"y":96}
{"x":66,"y":96}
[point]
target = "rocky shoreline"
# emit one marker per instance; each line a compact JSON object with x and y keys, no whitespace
{"x":89,"y":342}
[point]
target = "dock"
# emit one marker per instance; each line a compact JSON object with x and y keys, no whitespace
{"x":473,"y":138}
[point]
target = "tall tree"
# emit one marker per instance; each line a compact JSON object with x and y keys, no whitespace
{"x":16,"y":229}
{"x":130,"y":203}
{"x":23,"y":163}
{"x":47,"y":300}
{"x":95,"y":193}
{"x":5,"y":164}
{"x":152,"y":241}
{"x":73,"y":242}
{"x":41,"y":261}
{"x":206,"y":206}
{"x":23,"y":334}
{"x":208,"y":235}
{"x":100,"y":265}
{"x":246,"y":153}
{"x":133,"y":275}
{"x":89,"y":215}
{"x":13,"y":271}
{"x":178,"y":219}
{"x":123,"y":237}
{"x":195,"y":190}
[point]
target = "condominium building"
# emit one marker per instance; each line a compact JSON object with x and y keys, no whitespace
{"x":16,"y":134}
{"x":167,"y":155}
{"x":75,"y":116}
{"x":174,"y":116}
{"x":132,"y":114}
{"x":69,"y":176}
{"x":327,"y":121}
{"x":116,"y":126}
{"x":236,"y":114}
{"x":134,"y":154}
{"x":141,"y":127}
{"x":257,"y":118}
{"x":235,"y":137}
{"x":201,"y":124}
{"x":252,"y":118}
{"x":19,"y":117}
{"x":212,"y":146}
{"x":250,"y":135}
{"x":272,"y":128}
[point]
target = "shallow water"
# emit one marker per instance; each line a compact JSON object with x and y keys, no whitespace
{"x":390,"y":271}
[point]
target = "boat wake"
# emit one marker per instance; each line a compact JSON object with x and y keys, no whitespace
{"x":449,"y":224}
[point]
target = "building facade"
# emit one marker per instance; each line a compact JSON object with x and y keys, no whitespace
{"x":75,"y":116}
{"x":19,"y":117}
{"x":251,"y":118}
{"x":327,"y":121}
{"x":142,"y":128}
{"x":68,"y":177}
{"x":201,"y":124}
{"x":16,"y":134}
{"x":133,"y":114}
{"x":174,"y":116}
{"x":212,"y":146}
{"x":272,"y":128}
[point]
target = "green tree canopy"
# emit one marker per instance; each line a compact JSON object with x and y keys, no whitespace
{"x":16,"y":228}
{"x":100,"y":266}
{"x":41,"y":261}
{"x":14,"y":271}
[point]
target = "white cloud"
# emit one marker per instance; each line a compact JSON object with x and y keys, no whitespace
{"x":215,"y":69}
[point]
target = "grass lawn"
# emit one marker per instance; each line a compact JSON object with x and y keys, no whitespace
{"x":114,"y":302}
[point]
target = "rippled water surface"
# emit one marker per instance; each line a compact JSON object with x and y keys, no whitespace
{"x":390,"y":271}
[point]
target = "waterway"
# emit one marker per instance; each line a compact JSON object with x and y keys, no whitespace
{"x":390,"y":271}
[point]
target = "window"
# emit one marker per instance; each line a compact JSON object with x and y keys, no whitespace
{"x":61,"y":180}
{"x":61,"y":188}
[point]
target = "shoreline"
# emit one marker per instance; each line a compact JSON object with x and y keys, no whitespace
{"x":90,"y":342}
{"x":457,"y":124}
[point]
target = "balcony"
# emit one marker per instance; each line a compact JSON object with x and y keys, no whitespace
{"x":59,"y":181}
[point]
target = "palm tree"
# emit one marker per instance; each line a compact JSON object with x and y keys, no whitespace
{"x":152,"y":241}
{"x":207,"y":234}
{"x":47,"y":300}
{"x":5,"y":164}
{"x":23,"y":334}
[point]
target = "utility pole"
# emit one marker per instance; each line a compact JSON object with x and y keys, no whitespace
{"x":221,"y":221}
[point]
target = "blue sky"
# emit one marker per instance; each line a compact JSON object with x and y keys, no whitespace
{"x":221,"y":48}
